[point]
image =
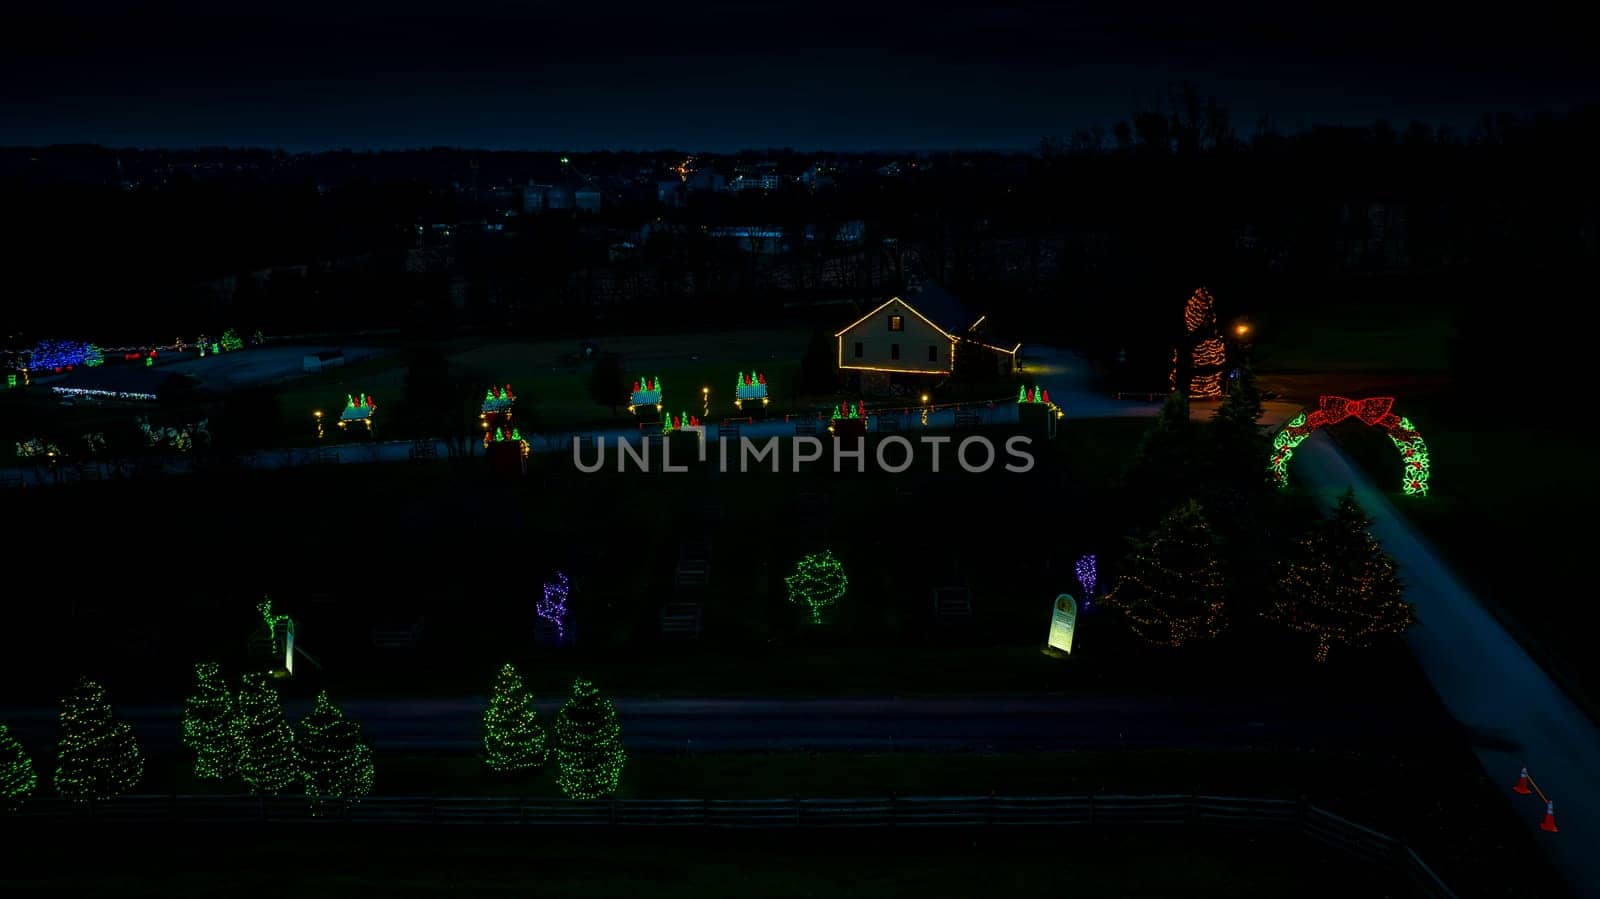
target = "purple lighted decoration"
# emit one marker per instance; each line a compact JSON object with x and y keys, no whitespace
{"x":1087,"y":576}
{"x":552,"y":607}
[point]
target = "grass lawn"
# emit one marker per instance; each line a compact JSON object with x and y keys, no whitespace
{"x":437,"y":861}
{"x":1353,"y":337}
{"x":553,"y":384}
{"x":181,"y":563}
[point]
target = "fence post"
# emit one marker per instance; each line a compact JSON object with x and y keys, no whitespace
{"x":894,"y":811}
{"x":988,"y":810}
{"x":1091,"y":809}
{"x":613,"y":811}
{"x":796,"y":801}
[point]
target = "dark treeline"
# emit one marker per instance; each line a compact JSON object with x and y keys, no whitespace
{"x":1088,"y":241}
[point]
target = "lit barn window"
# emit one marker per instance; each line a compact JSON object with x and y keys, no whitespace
{"x":896,"y":323}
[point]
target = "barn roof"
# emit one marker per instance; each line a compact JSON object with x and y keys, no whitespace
{"x":941,"y":307}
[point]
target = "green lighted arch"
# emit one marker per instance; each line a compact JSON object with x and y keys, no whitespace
{"x":1374,"y":411}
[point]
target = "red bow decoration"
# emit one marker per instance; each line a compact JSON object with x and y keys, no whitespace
{"x":1371,"y":410}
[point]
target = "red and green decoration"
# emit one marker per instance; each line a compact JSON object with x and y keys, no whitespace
{"x":1171,"y":590}
{"x":846,"y":409}
{"x":680,"y":422}
{"x":1033,"y":395}
{"x":230,"y":341}
{"x":17,"y":777}
{"x":646,"y":392}
{"x":589,"y":753}
{"x":358,"y":408}
{"x":267,"y":759}
{"x":750,"y":387}
{"x":1341,"y":587}
{"x":334,"y":756}
{"x":818,"y":581}
{"x":98,"y":757}
{"x":502,"y":434}
{"x":498,"y":399}
{"x":1372,"y":411}
{"x":513,"y":739}
{"x":208,"y":724}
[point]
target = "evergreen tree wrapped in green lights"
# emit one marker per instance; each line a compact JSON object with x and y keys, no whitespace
{"x":208,"y":724}
{"x":337,"y":761}
{"x":1343,"y":588}
{"x":98,"y":757}
{"x":1171,"y":590}
{"x":17,"y":778}
{"x":267,"y":759}
{"x":818,"y":582}
{"x":589,"y":753}
{"x":513,"y":739}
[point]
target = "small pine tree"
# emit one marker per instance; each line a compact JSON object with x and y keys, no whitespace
{"x":1343,"y":588}
{"x":513,"y":740}
{"x":819,"y":367}
{"x":337,"y":761}
{"x":606,"y":386}
{"x":589,"y":753}
{"x":98,"y":757}
{"x":17,"y":777}
{"x":208,"y":724}
{"x":1172,"y":587}
{"x":267,"y":759}
{"x":1162,"y":468}
{"x":1240,"y":450}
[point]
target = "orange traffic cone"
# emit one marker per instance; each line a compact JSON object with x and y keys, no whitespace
{"x":1549,"y":823}
{"x":1522,"y":784}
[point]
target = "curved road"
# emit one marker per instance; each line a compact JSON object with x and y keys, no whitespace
{"x":1516,"y":713}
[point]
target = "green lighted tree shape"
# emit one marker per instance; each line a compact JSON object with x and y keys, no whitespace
{"x":336,"y":760}
{"x":1342,"y":588}
{"x":818,"y":582}
{"x":589,"y":753}
{"x":267,"y":759}
{"x":98,"y":757}
{"x":208,"y":724}
{"x":17,"y":777}
{"x":1171,"y":589}
{"x":513,"y":739}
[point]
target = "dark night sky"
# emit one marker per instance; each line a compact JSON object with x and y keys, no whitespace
{"x":721,"y":76}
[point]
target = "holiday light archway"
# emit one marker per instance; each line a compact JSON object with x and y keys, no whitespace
{"x":1372,"y":411}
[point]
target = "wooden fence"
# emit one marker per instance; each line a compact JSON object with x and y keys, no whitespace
{"x":1097,"y":812}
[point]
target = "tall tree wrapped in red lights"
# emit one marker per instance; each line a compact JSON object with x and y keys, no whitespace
{"x":1171,"y":590}
{"x":1207,"y":354}
{"x":1343,"y":588}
